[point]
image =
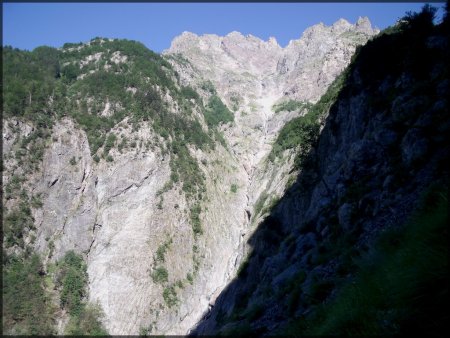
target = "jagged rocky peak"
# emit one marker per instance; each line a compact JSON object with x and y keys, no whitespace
{"x":341,"y":26}
{"x":364,"y":25}
{"x":188,"y":40}
{"x":320,"y":30}
{"x":273,"y":41}
{"x":300,"y":71}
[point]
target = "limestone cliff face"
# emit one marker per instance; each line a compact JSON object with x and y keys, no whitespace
{"x":119,"y":213}
{"x":245,"y":65}
{"x":253,"y":75}
{"x":379,"y":148}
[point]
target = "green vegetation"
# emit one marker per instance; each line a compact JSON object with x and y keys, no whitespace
{"x":72,"y":278}
{"x":170,"y":296}
{"x":16,"y":224}
{"x":400,"y":285}
{"x":36,"y":202}
{"x":386,"y":53}
{"x":87,"y":323}
{"x":13,"y":186}
{"x":29,"y":80}
{"x":160,"y":275}
{"x":195,"y":219}
{"x":27,"y":305}
{"x":216,"y":112}
{"x":218,"y":135}
{"x":234,"y":188}
{"x":27,"y":309}
{"x":32,"y":78}
{"x":189,"y":93}
{"x":291,"y":105}
{"x":260,"y":203}
{"x":179,"y":58}
{"x":110,"y":141}
{"x":144,"y":332}
{"x":48,"y":84}
{"x":236,"y":101}
{"x":185,"y":168}
{"x":162,"y":249}
{"x":179,"y":283}
{"x":208,"y":87}
{"x":302,"y":132}
{"x":190,"y":278}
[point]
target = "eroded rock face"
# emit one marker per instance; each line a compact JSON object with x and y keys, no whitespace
{"x":302,"y":70}
{"x":113,"y":212}
{"x":257,"y":74}
{"x":374,"y":157}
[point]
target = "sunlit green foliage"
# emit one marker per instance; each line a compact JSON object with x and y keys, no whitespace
{"x":28,"y":81}
{"x":291,"y":105}
{"x":87,"y":323}
{"x":27,"y":308}
{"x":160,"y":275}
{"x":16,"y":223}
{"x":217,"y":112}
{"x":72,"y":279}
{"x":162,"y":250}
{"x":195,"y":219}
{"x":302,"y":132}
{"x":170,"y":296}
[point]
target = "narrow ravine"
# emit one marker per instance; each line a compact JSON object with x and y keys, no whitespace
{"x":253,"y":156}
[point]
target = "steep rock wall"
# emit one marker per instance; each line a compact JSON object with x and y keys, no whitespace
{"x":383,"y":142}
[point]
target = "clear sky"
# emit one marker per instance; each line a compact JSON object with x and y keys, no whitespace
{"x":28,"y":25}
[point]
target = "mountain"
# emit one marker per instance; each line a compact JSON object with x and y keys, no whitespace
{"x":206,"y":189}
{"x":357,"y":244}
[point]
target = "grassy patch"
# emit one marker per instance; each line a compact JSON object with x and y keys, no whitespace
{"x":291,"y":105}
{"x":160,"y":275}
{"x":190,"y":278}
{"x":195,"y":219}
{"x":217,"y":112}
{"x":233,"y":188}
{"x":170,"y":296}
{"x":161,"y":251}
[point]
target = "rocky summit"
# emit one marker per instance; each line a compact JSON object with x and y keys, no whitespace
{"x":226,"y":186}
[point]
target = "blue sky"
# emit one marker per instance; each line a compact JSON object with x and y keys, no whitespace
{"x":28,"y":25}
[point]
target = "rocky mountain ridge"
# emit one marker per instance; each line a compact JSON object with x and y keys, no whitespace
{"x":160,"y":172}
{"x":375,"y":136}
{"x":254,"y":75}
{"x":309,"y":63}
